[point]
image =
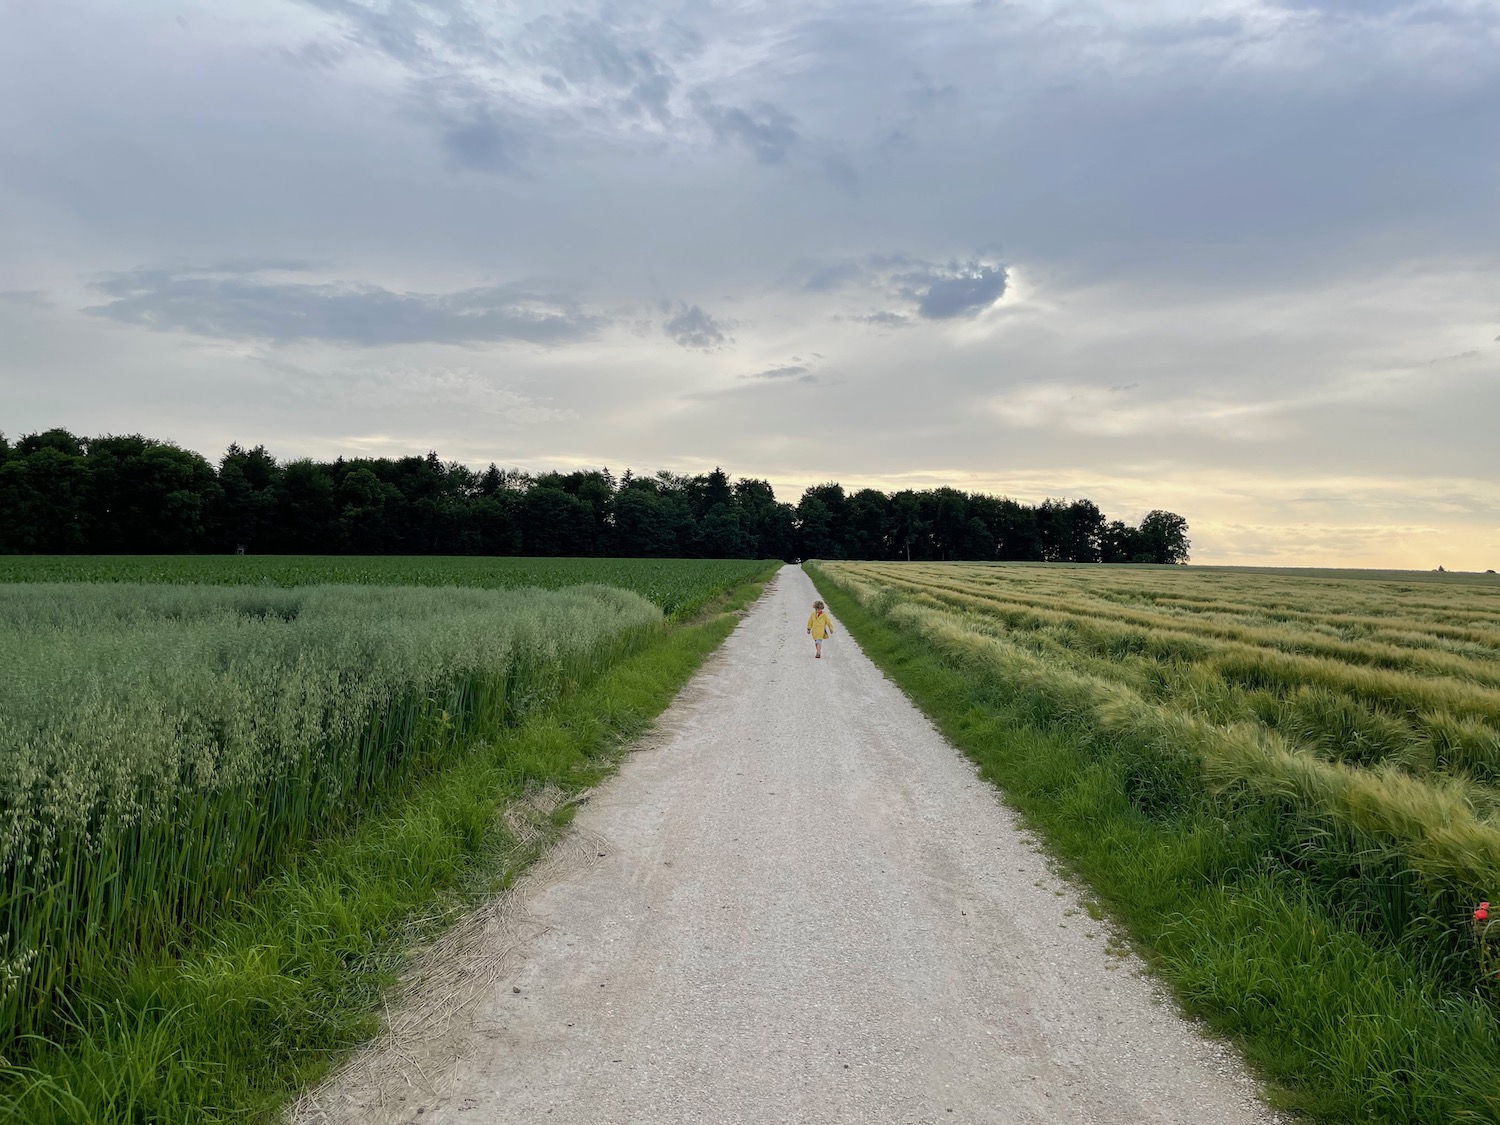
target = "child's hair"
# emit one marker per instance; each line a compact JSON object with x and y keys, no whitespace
{"x":819,"y":605}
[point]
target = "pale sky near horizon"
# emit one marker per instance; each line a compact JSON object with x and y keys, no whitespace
{"x":1229,"y":257}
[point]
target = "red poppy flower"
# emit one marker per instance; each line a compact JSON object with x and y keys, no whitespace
{"x":1483,"y":912}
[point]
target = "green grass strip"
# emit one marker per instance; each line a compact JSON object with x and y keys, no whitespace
{"x":1344,"y":1031}
{"x":264,"y":1002}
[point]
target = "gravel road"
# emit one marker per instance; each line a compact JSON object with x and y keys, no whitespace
{"x":795,"y":903}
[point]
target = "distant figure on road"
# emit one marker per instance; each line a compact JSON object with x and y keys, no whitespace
{"x":819,"y":628}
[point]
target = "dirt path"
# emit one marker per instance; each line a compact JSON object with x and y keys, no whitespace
{"x":796,"y":903}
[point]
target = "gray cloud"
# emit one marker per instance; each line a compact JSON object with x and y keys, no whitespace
{"x":770,"y":134}
{"x":248,"y":305}
{"x":695,"y":329}
{"x":827,"y":277}
{"x":884,"y":319}
{"x":467,"y":78}
{"x":937,"y":292}
{"x":417,"y":32}
{"x":588,"y":52}
{"x":33,"y":298}
{"x":796,"y":371}
{"x":479,"y":138}
{"x":958,"y":290}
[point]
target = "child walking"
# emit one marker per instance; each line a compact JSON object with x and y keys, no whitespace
{"x":819,"y":628}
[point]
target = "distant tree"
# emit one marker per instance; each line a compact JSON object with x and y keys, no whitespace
{"x":908,"y":530}
{"x":815,"y":529}
{"x":715,"y":490}
{"x":948,"y":520}
{"x":62,"y":493}
{"x":867,"y":530}
{"x":1011,"y":526}
{"x":1054,"y":530}
{"x":150,"y":497}
{"x":365,"y":503}
{"x":1119,"y":543}
{"x":1070,"y":531}
{"x":495,"y":519}
{"x":770,"y":527}
{"x":555,"y":522}
{"x":1163,"y":536}
{"x":720,"y":535}
{"x":822,"y":522}
{"x":646,"y":523}
{"x":306,"y":509}
{"x":1085,"y":531}
{"x":248,"y":487}
{"x":45,"y":495}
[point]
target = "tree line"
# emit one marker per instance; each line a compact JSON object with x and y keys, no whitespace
{"x":63,"y":494}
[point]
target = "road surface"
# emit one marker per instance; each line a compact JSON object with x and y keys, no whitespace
{"x":795,"y":903}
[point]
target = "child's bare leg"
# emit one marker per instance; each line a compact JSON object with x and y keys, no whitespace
{"x":818,"y":650}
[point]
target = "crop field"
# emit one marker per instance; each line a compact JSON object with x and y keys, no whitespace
{"x":678,"y":586}
{"x":162,"y":747}
{"x":1287,"y":784}
{"x":176,"y":730}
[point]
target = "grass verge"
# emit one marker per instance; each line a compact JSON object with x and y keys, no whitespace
{"x":261,"y":1003}
{"x":1344,"y":1029}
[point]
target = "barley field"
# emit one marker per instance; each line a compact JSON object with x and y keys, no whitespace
{"x":1324,"y":743}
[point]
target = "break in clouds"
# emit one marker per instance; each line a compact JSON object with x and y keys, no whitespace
{"x":1235,"y":260}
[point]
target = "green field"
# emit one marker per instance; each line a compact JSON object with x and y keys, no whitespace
{"x":185,"y":740}
{"x":1286,"y":784}
{"x":678,"y":586}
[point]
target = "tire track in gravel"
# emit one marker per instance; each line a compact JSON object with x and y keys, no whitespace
{"x":796,"y":902}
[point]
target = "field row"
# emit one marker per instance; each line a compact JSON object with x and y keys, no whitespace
{"x":1404,"y":757}
{"x":1409,"y":700}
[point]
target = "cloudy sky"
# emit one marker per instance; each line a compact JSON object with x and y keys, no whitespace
{"x":1229,"y":257}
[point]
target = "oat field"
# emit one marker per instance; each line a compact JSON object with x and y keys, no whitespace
{"x":678,"y":586}
{"x":162,"y":747}
{"x":1331,"y":739}
{"x":234,"y":791}
{"x":175,"y":728}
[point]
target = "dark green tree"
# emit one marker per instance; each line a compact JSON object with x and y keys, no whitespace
{"x":908,"y":530}
{"x":248,"y":481}
{"x":822,"y":522}
{"x":770,"y":527}
{"x":135,"y":494}
{"x":869,"y":525}
{"x":720,"y":535}
{"x":45,"y":495}
{"x":150,"y":497}
{"x":646,"y":523}
{"x":555,"y":522}
{"x":1120,"y":543}
{"x":306,"y":509}
{"x":365,"y":503}
{"x":1163,"y":536}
